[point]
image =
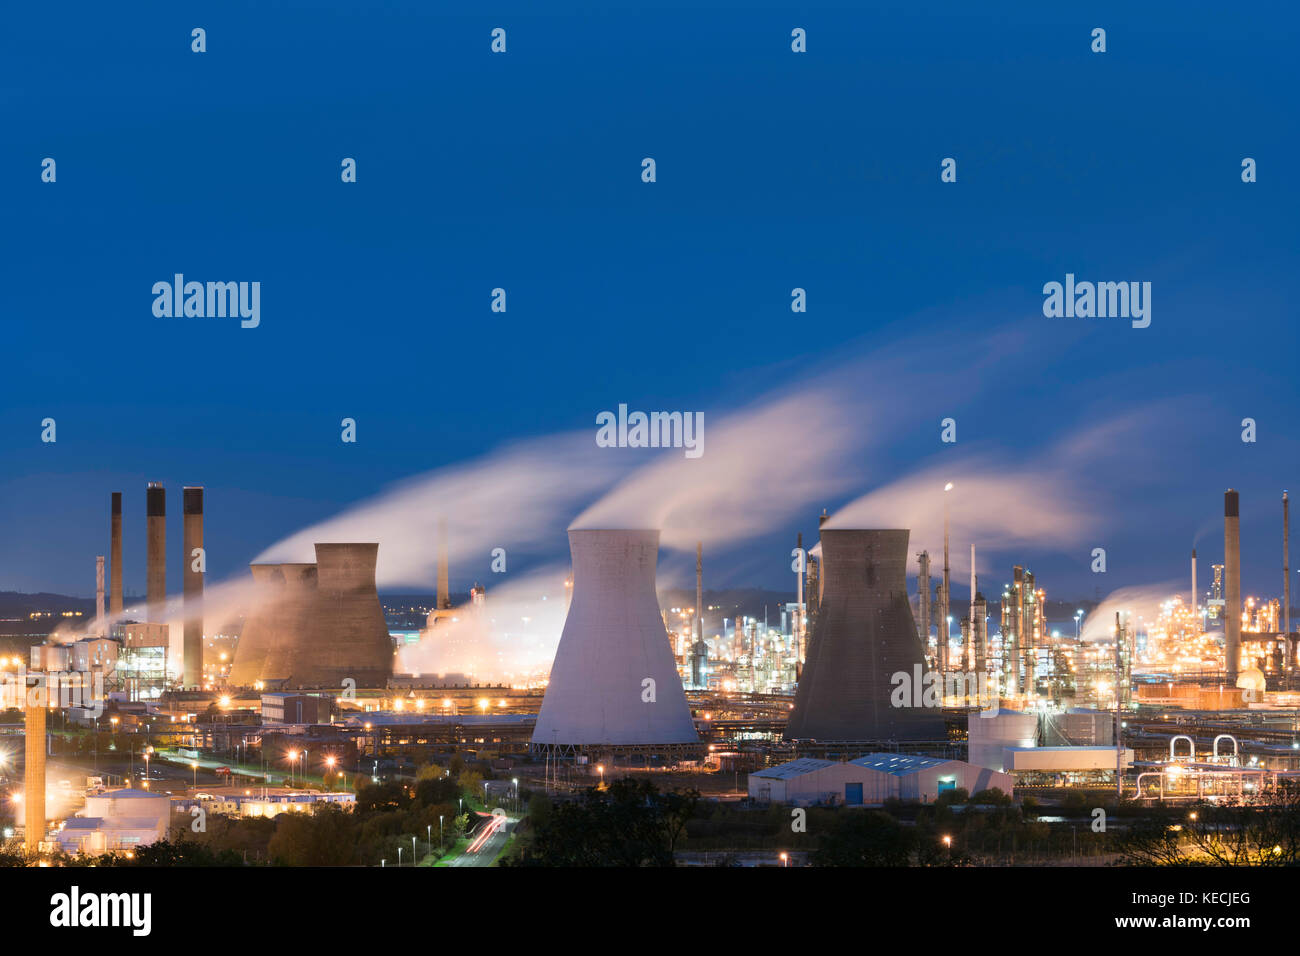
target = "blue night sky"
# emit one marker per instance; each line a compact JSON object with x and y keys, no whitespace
{"x":522,"y":170}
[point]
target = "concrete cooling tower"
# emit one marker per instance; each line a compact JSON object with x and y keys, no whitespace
{"x":864,"y":635}
{"x":613,"y":641}
{"x":315,"y":625}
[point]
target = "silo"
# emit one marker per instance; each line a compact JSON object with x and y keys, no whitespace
{"x":613,"y":682}
{"x":865,"y":635}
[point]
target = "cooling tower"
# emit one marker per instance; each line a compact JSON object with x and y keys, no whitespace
{"x":864,"y":635}
{"x":192,"y":578}
{"x":613,"y":644}
{"x":156,"y":550}
{"x":115,"y":558}
{"x":1232,"y":571}
{"x":316,"y":625}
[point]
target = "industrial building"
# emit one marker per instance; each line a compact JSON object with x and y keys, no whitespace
{"x":870,"y":780}
{"x":864,"y":634}
{"x":614,"y":684}
{"x":266,"y":802}
{"x":117,"y":820}
{"x":316,"y":625}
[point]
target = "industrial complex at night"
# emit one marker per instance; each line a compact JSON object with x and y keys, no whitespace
{"x":840,"y":697}
{"x":554,"y":439}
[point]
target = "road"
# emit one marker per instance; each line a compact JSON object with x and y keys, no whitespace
{"x":483,"y":849}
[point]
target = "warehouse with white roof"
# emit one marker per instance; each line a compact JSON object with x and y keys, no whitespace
{"x":870,"y":780}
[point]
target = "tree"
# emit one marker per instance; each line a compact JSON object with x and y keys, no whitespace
{"x":865,"y":838}
{"x":630,"y":824}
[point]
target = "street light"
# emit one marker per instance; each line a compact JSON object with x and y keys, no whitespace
{"x":428,"y":832}
{"x":785,"y":859}
{"x":601,"y":768}
{"x":194,"y":765}
{"x":440,"y":841}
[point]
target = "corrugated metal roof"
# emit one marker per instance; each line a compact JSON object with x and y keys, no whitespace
{"x":795,"y":768}
{"x":898,"y":764}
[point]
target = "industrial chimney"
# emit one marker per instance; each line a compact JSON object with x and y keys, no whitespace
{"x":156,"y":550}
{"x":100,"y":630}
{"x":444,"y":586}
{"x":115,"y":558}
{"x":699,"y":592}
{"x":1232,"y":568}
{"x":865,"y":635}
{"x":1196,"y":620}
{"x":613,"y":682}
{"x":192,"y":577}
{"x":1286,"y":583}
{"x":34,"y":775}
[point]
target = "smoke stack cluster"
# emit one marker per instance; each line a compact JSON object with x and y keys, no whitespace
{"x":156,"y":550}
{"x":1232,"y":570}
{"x":192,"y":579}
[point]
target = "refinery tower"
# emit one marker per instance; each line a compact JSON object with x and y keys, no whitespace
{"x":864,"y":635}
{"x":614,"y":683}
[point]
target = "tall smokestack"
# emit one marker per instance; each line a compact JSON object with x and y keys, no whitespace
{"x":1196,"y":620}
{"x":923,"y":599}
{"x":156,"y":550}
{"x":699,"y":591}
{"x":946,"y":597}
{"x":34,"y":776}
{"x":192,"y":578}
{"x":1232,"y":568}
{"x":115,"y":557}
{"x":1286,"y":581}
{"x":797,"y":630}
{"x":99,"y":596}
{"x":970,"y":650}
{"x":444,"y":587}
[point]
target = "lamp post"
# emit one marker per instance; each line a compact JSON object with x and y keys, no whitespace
{"x":194,"y":765}
{"x":413,"y":857}
{"x":441,"y":844}
{"x":428,"y":832}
